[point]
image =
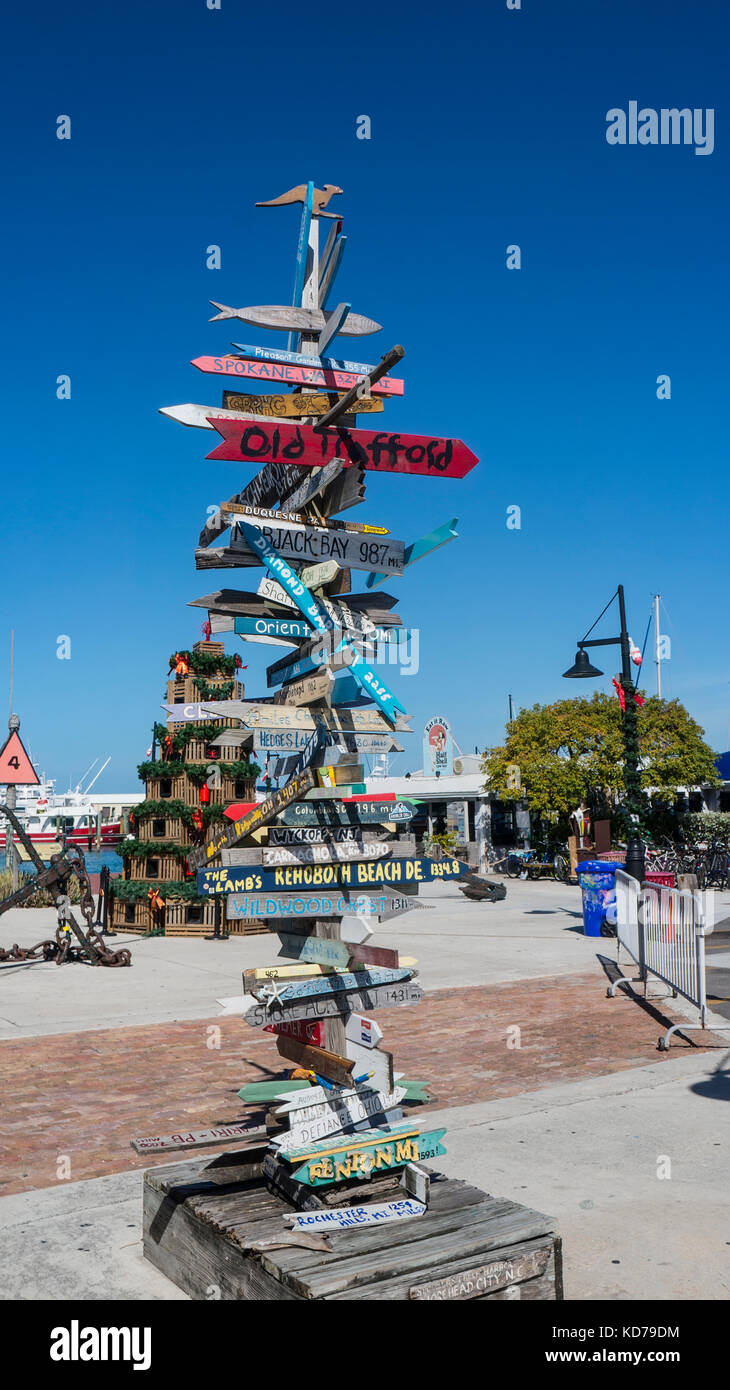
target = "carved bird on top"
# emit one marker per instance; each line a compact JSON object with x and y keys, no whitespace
{"x":299,"y":194}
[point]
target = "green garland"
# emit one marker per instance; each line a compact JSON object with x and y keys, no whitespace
{"x":203,"y":664}
{"x":130,"y":891}
{"x":180,"y":740}
{"x":162,"y":810}
{"x":197,"y":772}
{"x":139,"y":849}
{"x":208,"y":690}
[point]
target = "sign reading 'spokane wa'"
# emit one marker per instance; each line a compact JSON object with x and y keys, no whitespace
{"x":254,"y":878}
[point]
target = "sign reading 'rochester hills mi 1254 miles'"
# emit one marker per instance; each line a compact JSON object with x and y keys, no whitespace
{"x":252,"y":879}
{"x":376,"y":450}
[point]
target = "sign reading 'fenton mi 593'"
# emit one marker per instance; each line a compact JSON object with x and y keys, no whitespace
{"x":230,"y":879}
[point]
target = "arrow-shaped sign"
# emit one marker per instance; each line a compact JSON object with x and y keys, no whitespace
{"x":419,"y":454}
{"x":415,"y":552}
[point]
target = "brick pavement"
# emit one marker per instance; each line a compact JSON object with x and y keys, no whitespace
{"x":83,"y":1095}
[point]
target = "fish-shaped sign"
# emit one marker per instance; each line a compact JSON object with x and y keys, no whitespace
{"x":293,"y":319}
{"x":333,"y":380}
{"x":422,"y":455}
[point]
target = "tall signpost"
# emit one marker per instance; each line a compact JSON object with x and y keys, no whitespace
{"x":319,"y":859}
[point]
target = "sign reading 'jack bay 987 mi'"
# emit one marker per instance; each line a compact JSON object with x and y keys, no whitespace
{"x":254,"y":879}
{"x":376,"y":450}
{"x":320,"y":543}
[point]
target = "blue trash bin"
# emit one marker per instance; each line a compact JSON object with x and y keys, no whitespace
{"x":598,"y":887}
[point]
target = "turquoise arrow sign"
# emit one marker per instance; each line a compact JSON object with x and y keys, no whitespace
{"x":433,"y":541}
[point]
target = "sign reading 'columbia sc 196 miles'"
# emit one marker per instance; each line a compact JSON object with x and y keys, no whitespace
{"x":254,"y":879}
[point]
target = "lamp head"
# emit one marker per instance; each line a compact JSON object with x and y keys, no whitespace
{"x":581,"y":667}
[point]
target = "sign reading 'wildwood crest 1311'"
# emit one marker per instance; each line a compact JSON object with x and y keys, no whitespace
{"x":230,"y":879}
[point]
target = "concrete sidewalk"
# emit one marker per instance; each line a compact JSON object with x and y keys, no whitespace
{"x":589,"y":1154}
{"x":534,"y":933}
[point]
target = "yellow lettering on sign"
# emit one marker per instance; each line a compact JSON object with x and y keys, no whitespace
{"x":344,"y":1170}
{"x":405,"y":1150}
{"x":384,"y":1157}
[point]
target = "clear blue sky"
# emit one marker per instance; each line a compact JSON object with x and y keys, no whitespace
{"x":488,"y":129}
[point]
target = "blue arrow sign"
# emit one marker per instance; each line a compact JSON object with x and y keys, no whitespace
{"x":272,"y":627}
{"x":433,"y":541}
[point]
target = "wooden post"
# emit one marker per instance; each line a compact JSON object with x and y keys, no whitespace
{"x":350,"y":399}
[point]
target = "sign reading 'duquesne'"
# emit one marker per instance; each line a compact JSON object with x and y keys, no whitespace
{"x":422,"y":454}
{"x":252,"y":879}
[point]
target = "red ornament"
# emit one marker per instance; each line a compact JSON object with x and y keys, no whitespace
{"x":197,"y":819}
{"x":204,"y":795}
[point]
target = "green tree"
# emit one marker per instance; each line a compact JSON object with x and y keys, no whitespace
{"x":561,"y":754}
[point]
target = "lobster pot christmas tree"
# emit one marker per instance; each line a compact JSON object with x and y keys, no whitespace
{"x":191,"y":775}
{"x":319,"y":860}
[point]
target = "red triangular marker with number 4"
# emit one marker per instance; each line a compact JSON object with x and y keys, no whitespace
{"x":16,"y":767}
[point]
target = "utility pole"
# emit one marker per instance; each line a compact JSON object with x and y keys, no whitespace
{"x":657,"y":647}
{"x":11,"y":856}
{"x":509,"y":697}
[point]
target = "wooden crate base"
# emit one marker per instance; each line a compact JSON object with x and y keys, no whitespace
{"x":200,"y":1216}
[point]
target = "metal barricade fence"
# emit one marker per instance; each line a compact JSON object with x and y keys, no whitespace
{"x":663,"y":930}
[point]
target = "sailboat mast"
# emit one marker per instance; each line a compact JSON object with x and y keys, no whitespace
{"x":657,"y":647}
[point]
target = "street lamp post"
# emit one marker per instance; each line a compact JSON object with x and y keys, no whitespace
{"x":582,"y":669}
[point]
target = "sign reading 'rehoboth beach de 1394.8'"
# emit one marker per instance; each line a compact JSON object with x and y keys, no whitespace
{"x":255,"y":879}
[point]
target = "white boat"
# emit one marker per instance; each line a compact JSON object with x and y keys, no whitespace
{"x":48,"y":817}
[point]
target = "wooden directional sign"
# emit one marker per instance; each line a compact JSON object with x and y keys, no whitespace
{"x":377,"y":1152}
{"x":308,"y":835}
{"x":195,"y":713}
{"x":299,"y":359}
{"x":293,"y":628}
{"x":319,"y":950}
{"x":374,"y":955}
{"x":328,"y":1005}
{"x":330,"y":813}
{"x":418,"y":549}
{"x":302,"y":877}
{"x":371,"y":1062}
{"x":364,"y":1031}
{"x":314,"y":1123}
{"x":303,"y":905}
{"x":316,"y":1059}
{"x":317,"y":686}
{"x":292,"y":1101}
{"x":344,"y":983}
{"x":198,"y":1138}
{"x":349,"y":1218}
{"x":323,"y":854}
{"x":330,"y":569}
{"x":265,"y":716}
{"x":304,"y":1032}
{"x":324,"y":572}
{"x":298,"y":542}
{"x":422,"y":455}
{"x":350,"y":1107}
{"x":313,"y":654}
{"x":295,"y":375}
{"x":261,"y":814}
{"x":16,"y":768}
{"x":289,"y":318}
{"x":296,"y":403}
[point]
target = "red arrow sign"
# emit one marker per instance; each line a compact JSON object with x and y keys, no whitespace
{"x":295,"y":376}
{"x":267,"y":442}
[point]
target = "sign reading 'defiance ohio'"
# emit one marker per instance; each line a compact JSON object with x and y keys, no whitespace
{"x":230,"y":879}
{"x":427,"y":455}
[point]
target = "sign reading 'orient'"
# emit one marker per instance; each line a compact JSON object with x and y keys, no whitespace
{"x":376,"y":450}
